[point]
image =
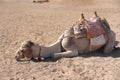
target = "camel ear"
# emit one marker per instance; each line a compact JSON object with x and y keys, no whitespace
{"x":96,"y":15}
{"x":30,"y":44}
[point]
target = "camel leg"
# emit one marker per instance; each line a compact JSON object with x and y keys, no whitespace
{"x":53,"y":48}
{"x":71,"y":53}
{"x":111,"y":42}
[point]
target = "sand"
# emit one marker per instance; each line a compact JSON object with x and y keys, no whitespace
{"x":43,"y":23}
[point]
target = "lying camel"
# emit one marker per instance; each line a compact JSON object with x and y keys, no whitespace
{"x":72,"y":42}
{"x":40,"y":1}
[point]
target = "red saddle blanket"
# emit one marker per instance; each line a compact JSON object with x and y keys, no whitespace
{"x":94,"y":27}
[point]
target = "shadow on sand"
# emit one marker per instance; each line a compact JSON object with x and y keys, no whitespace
{"x":115,"y":54}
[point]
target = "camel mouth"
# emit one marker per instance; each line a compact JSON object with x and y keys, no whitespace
{"x":26,"y":60}
{"x":21,"y":60}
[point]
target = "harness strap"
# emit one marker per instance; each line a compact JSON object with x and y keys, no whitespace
{"x":72,"y":36}
{"x":39,"y":52}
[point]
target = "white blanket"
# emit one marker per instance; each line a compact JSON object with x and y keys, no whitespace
{"x":100,"y":40}
{"x":97,"y":42}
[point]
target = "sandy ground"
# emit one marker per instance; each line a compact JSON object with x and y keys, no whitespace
{"x":22,"y":20}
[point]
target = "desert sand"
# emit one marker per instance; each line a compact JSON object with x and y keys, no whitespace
{"x":43,"y":23}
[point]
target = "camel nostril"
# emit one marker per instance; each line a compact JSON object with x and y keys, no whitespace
{"x":17,"y":59}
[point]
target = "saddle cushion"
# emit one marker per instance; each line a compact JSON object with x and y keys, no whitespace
{"x":100,"y":40}
{"x":94,"y":27}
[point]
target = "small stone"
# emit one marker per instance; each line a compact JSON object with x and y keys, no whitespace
{"x":34,"y":78}
{"x":54,"y":70}
{"x":12,"y":79}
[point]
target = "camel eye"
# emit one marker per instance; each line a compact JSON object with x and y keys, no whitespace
{"x":22,"y":50}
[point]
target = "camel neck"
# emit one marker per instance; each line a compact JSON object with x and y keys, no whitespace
{"x":48,"y":51}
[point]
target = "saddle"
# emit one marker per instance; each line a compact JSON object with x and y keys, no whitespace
{"x":94,"y":26}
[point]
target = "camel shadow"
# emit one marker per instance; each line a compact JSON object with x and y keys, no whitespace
{"x":115,"y":54}
{"x":45,"y":60}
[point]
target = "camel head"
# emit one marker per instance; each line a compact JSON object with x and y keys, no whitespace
{"x":79,"y":30}
{"x":25,"y":51}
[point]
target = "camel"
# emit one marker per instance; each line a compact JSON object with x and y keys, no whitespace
{"x":40,"y":1}
{"x":71,"y":43}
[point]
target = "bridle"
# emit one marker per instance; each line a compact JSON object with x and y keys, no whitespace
{"x":39,"y":55}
